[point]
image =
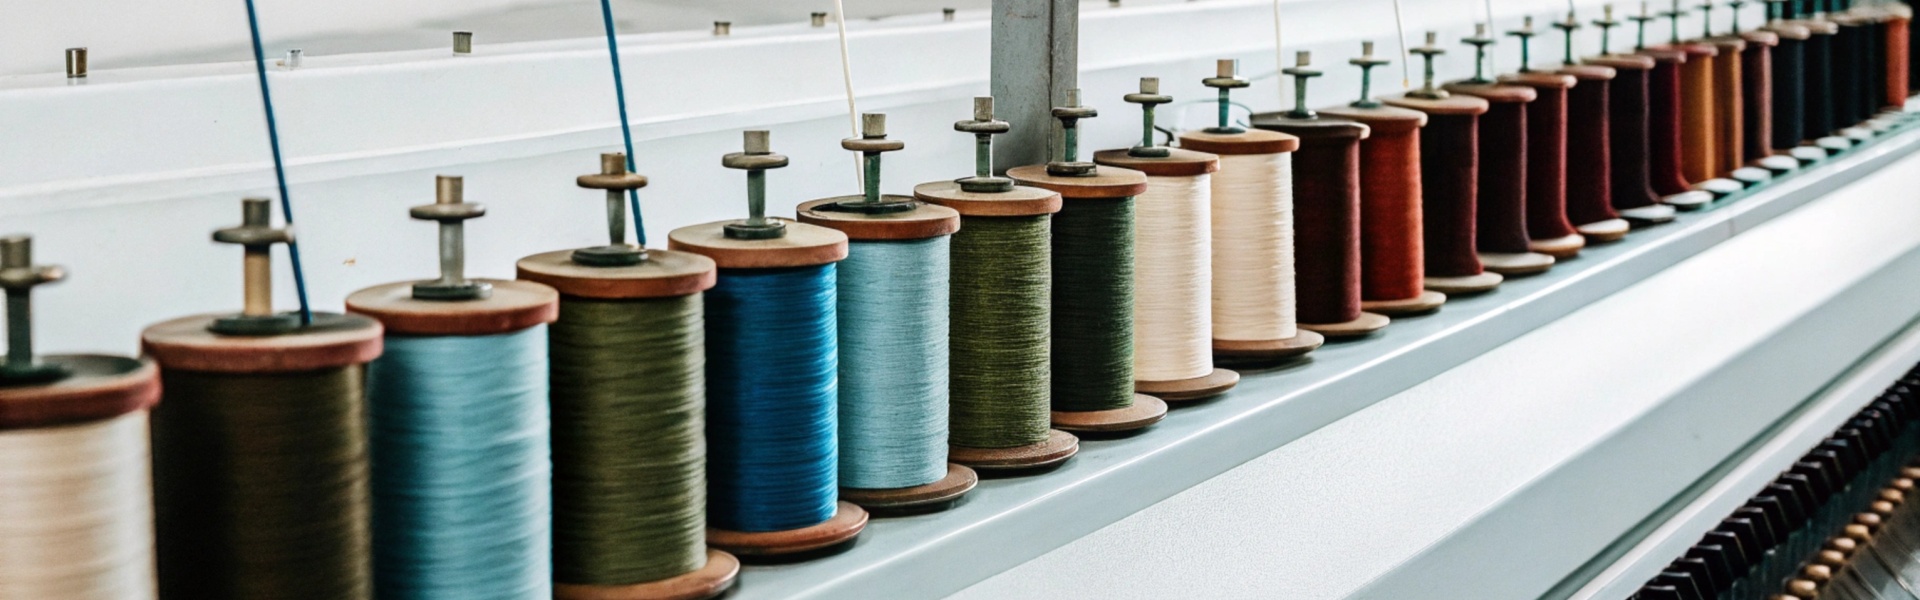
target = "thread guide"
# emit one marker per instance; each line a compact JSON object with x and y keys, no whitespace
{"x":18,"y":275}
{"x":618,"y":182}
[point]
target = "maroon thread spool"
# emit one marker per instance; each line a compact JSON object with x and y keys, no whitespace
{"x":1664,"y":131}
{"x":1392,"y":258}
{"x":1326,"y":208}
{"x":1549,"y":231}
{"x":1504,"y":246}
{"x":1629,"y":166}
{"x":1449,"y":174}
{"x":1756,"y":65}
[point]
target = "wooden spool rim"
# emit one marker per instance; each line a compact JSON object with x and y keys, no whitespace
{"x":1251,"y":141}
{"x":1300,"y":344}
{"x":1463,"y":285}
{"x":1427,"y":301}
{"x":1516,"y":264}
{"x":1381,"y":119}
{"x":1495,"y":92}
{"x":1664,"y":55}
{"x":1589,"y":72}
{"x":334,"y":341}
{"x":803,"y":246}
{"x":1318,"y":128}
{"x":1688,"y":200}
{"x":1728,"y":45}
{"x":1142,"y":413}
{"x":1607,"y":231}
{"x":1790,"y":31}
{"x":1696,"y":50}
{"x":513,"y":306}
{"x":1621,"y":62}
{"x":1540,"y":80}
{"x":1761,"y":38}
{"x":708,"y":581}
{"x":1453,"y":104}
{"x":1564,"y":247}
{"x":1112,"y":182}
{"x":1365,"y":325}
{"x":1057,"y":448}
{"x":923,"y":222}
{"x":665,"y":274}
{"x":1177,"y":163}
{"x":1214,"y":383}
{"x":846,"y":523}
{"x":1022,"y":201}
{"x":99,"y":387}
{"x":1650,"y":214}
{"x":956,"y":483}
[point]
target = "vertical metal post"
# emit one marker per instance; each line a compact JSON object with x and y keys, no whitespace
{"x":1036,"y":59}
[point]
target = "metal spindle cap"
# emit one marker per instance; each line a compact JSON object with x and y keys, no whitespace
{"x":451,"y":210}
{"x":617,"y":182}
{"x":722,"y":28}
{"x":1428,"y":90}
{"x":463,"y":42}
{"x":947,"y":14}
{"x":257,"y":235}
{"x":1069,"y":114}
{"x":818,"y":19}
{"x":1226,"y":75}
{"x":76,"y":63}
{"x":756,"y":157}
{"x":18,"y":276}
{"x":983,"y":127}
{"x":871,"y":144}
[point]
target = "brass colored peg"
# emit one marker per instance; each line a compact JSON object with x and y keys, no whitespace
{"x":257,"y":236}
{"x":451,"y":211}
{"x":756,"y":158}
{"x":19,"y":276}
{"x":614,"y":178}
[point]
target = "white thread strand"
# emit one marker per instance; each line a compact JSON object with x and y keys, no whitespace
{"x":1253,"y":280}
{"x":853,"y":112}
{"x":1172,"y":280}
{"x":76,"y":511}
{"x":1279,"y":54}
{"x":1406,"y":66}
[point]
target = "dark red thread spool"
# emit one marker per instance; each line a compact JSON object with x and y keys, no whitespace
{"x":1548,"y":230}
{"x":1630,"y":187}
{"x":1756,"y":66}
{"x":1665,"y":129}
{"x":1502,"y":237}
{"x":1590,"y":153}
{"x":1326,"y":225}
{"x":1449,"y":173}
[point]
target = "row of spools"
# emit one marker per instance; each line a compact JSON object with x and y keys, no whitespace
{"x":621,"y":422}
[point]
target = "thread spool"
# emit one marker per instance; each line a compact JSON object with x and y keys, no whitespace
{"x":628,"y":405}
{"x":74,"y":481}
{"x":457,"y":426}
{"x":1625,"y":168}
{"x":1699,"y":115}
{"x":1548,"y":230}
{"x":892,"y":306}
{"x":1847,"y":61}
{"x":1898,"y":47}
{"x":1501,"y":225}
{"x":1392,"y":236}
{"x":1254,"y":301}
{"x":1821,"y":81}
{"x":1001,"y":311}
{"x":1326,"y":230}
{"x":1756,"y":66}
{"x":1449,"y":182}
{"x":1730,"y":105}
{"x":1588,"y":189}
{"x":260,"y":468}
{"x":1666,"y":129}
{"x":1788,"y":86}
{"x":1173,"y":267}
{"x":771,"y":447}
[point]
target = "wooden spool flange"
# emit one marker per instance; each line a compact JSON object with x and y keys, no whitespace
{"x":921,"y":222}
{"x":1561,"y":247}
{"x":1607,"y":231}
{"x":708,"y":581}
{"x":1361,"y":327}
{"x":664,"y":274}
{"x":1515,"y":264}
{"x":1144,"y":411}
{"x":846,"y":523}
{"x":803,"y":246}
{"x":1214,"y":383}
{"x":513,"y":306}
{"x":1057,"y":448}
{"x":958,"y":481}
{"x":1648,"y":215}
{"x":1250,"y":142}
{"x":1467,"y":285}
{"x":1303,"y":342}
{"x":1688,"y":200}
{"x":1021,"y":201}
{"x":333,"y":341}
{"x":1428,"y":301}
{"x":96,"y":388}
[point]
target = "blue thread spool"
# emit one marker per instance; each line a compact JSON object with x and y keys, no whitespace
{"x":458,"y":428}
{"x":892,"y":305}
{"x":771,"y":356}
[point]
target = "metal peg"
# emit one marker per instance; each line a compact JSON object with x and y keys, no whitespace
{"x":615,"y":178}
{"x":1366,"y":61}
{"x":1567,"y":27}
{"x":722,"y":28}
{"x":1640,"y":26}
{"x":1673,"y":17}
{"x":19,"y":276}
{"x":757,"y":156}
{"x":451,"y":210}
{"x":256,"y":236}
{"x":947,"y":14}
{"x":1479,"y":41}
{"x":462,"y":42}
{"x":1606,"y":25}
{"x":1148,"y":98}
{"x":1431,"y":49}
{"x":1735,"y":6}
{"x":1301,"y":74}
{"x":292,"y":61}
{"x":1226,"y":78}
{"x":76,"y":63}
{"x":983,"y":127}
{"x":1525,"y":33}
{"x":818,"y":19}
{"x":1706,"y":19}
{"x":871,"y":144}
{"x":1069,"y":114}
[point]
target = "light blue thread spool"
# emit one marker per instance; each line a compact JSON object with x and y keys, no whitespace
{"x":893,"y":363}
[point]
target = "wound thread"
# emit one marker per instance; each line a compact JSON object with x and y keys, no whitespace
{"x":1546,"y":160}
{"x":75,"y":510}
{"x":1630,"y":165}
{"x":1789,"y":93}
{"x":893,"y":300}
{"x":1449,"y":175}
{"x":1699,"y":142}
{"x":1173,"y":241}
{"x":1898,"y":68}
{"x":1729,"y":110}
{"x":1589,"y":150}
{"x":1327,"y":229}
{"x":1819,"y":85}
{"x":1664,"y":127}
{"x":1253,"y":264}
{"x":1756,"y":67}
{"x":1502,"y":206}
{"x":1092,"y":349}
{"x":1001,"y":331}
{"x":1392,"y":248}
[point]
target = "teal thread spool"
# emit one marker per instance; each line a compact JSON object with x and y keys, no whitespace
{"x":1000,"y":313}
{"x":893,"y":327}
{"x":457,"y":427}
{"x":629,"y":402}
{"x":771,"y":410}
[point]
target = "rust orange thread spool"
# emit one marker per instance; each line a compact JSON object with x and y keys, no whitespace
{"x":1699,"y":141}
{"x":1392,"y":260}
{"x":1502,"y":224}
{"x":1326,"y":213}
{"x":1898,"y":48}
{"x":1449,"y":170}
{"x":1665,"y":125}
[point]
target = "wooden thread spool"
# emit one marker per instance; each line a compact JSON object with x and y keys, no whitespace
{"x":1392,"y":256}
{"x":1898,"y":47}
{"x":984,"y":202}
{"x":1825,"y":98}
{"x":1173,"y":267}
{"x":1254,"y":296}
{"x":1502,"y":239}
{"x":1729,"y":92}
{"x":1548,"y":230}
{"x":1756,"y":64}
{"x":642,"y":281}
{"x":1449,"y":182}
{"x":767,"y":245}
{"x":1665,"y":126}
{"x":1589,"y":185}
{"x":211,"y":542}
{"x":74,"y":427}
{"x":1850,"y":63}
{"x":1629,"y":147}
{"x":1327,"y":213}
{"x":1912,"y":53}
{"x":1699,"y":116}
{"x":880,"y":219}
{"x":1788,"y":81}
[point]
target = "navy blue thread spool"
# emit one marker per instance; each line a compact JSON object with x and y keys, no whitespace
{"x":893,"y":336}
{"x":771,"y":362}
{"x":458,"y":427}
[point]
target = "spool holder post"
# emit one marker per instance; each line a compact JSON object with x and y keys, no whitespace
{"x":1606,"y":24}
{"x":756,"y":158}
{"x":18,"y":276}
{"x":1431,"y":49}
{"x":617,"y":182}
{"x":1069,"y":115}
{"x":1301,"y":74}
{"x":256,"y":235}
{"x":871,"y":144}
{"x":1525,"y":33}
{"x":1567,"y":27}
{"x":1735,"y":5}
{"x":1673,"y":19}
{"x":1640,"y":25}
{"x":1706,"y":19}
{"x":1226,"y":78}
{"x":1479,"y":41}
{"x":983,"y":127}
{"x":1366,"y":61}
{"x":1148,"y":97}
{"x":451,"y":210}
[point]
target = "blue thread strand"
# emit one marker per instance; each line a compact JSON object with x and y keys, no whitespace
{"x":279,"y":168}
{"x":893,"y":363}
{"x":626,"y":131}
{"x":461,"y":474}
{"x":771,"y":390}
